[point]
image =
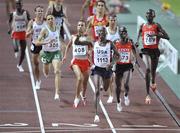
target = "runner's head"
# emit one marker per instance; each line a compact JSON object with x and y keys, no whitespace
{"x":59,"y":2}
{"x":50,"y":20}
{"x":102,"y":33}
{"x":150,"y":15}
{"x":112,"y":20}
{"x":100,"y":6}
{"x":18,"y":5}
{"x":123,"y":32}
{"x":39,"y":10}
{"x":81,"y":26}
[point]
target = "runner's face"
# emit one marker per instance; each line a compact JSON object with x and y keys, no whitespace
{"x":50,"y":20}
{"x":112,"y":21}
{"x":39,"y":12}
{"x":18,"y":6}
{"x":150,"y":16}
{"x":81,"y":27}
{"x":100,"y":7}
{"x":102,"y":34}
{"x":123,"y":34}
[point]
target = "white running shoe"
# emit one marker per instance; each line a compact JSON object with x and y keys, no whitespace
{"x":148,"y":100}
{"x":16,"y":54}
{"x":56,"y":97}
{"x":96,"y":119}
{"x":119,"y":107}
{"x":20,"y":68}
{"x":126,"y":100}
{"x":38,"y":84}
{"x":110,"y":99}
{"x":76,"y":102}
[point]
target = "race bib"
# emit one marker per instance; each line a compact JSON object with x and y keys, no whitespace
{"x":97,"y":28}
{"x":20,"y":26}
{"x":79,"y":50}
{"x":149,"y":40}
{"x":124,"y":57}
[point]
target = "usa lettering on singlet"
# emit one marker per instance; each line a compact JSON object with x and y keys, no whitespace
{"x":112,"y":37}
{"x":102,"y":55}
{"x":55,"y":44}
{"x":19,"y":22}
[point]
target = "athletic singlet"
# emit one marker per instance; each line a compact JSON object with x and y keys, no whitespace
{"x":36,"y":30}
{"x":92,"y":7}
{"x":149,"y":42}
{"x":79,"y":51}
{"x":102,"y":55}
{"x":19,"y":22}
{"x":124,"y":51}
{"x":58,"y":17}
{"x":55,"y":45}
{"x":97,"y":24}
{"x":112,"y":37}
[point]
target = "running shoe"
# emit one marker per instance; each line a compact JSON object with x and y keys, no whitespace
{"x":20,"y":68}
{"x":110,"y":99}
{"x":56,"y":97}
{"x":76,"y":102}
{"x":96,"y":119}
{"x":119,"y":107}
{"x":38,"y":84}
{"x":148,"y":100}
{"x":126,"y":100}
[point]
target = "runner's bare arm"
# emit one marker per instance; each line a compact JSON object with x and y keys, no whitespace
{"x":67,"y":48}
{"x":84,"y":6}
{"x":162,"y":33}
{"x":41,"y":39}
{"x":139,"y":34}
{"x":29,"y":30}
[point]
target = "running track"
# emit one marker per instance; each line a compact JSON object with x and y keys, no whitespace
{"x":18,"y":112}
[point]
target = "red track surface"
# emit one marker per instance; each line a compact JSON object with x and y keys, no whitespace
{"x":17,"y":104}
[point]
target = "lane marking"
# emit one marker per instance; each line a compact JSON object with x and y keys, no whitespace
{"x":14,"y":125}
{"x":143,"y":126}
{"x":85,"y":125}
{"x":35,"y":92}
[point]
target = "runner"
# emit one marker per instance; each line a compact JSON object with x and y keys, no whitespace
{"x":34,"y":28}
{"x":80,"y":63}
{"x":124,"y":66}
{"x":102,"y":65}
{"x":151,"y":33}
{"x":18,"y":22}
{"x":49,"y":39}
{"x":112,"y":35}
{"x":58,"y":10}
{"x":98,"y":20}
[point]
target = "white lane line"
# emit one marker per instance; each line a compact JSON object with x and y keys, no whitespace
{"x":35,"y":92}
{"x":85,"y":125}
{"x":103,"y":108}
{"x":143,"y":126}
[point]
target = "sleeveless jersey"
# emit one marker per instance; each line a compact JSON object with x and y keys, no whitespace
{"x":79,"y":51}
{"x":97,"y":24}
{"x":149,"y":42}
{"x":112,"y":37}
{"x":124,"y":51}
{"x":19,"y":22}
{"x":36,"y":30}
{"x":102,"y":55}
{"x":55,"y":45}
{"x":58,"y":17}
